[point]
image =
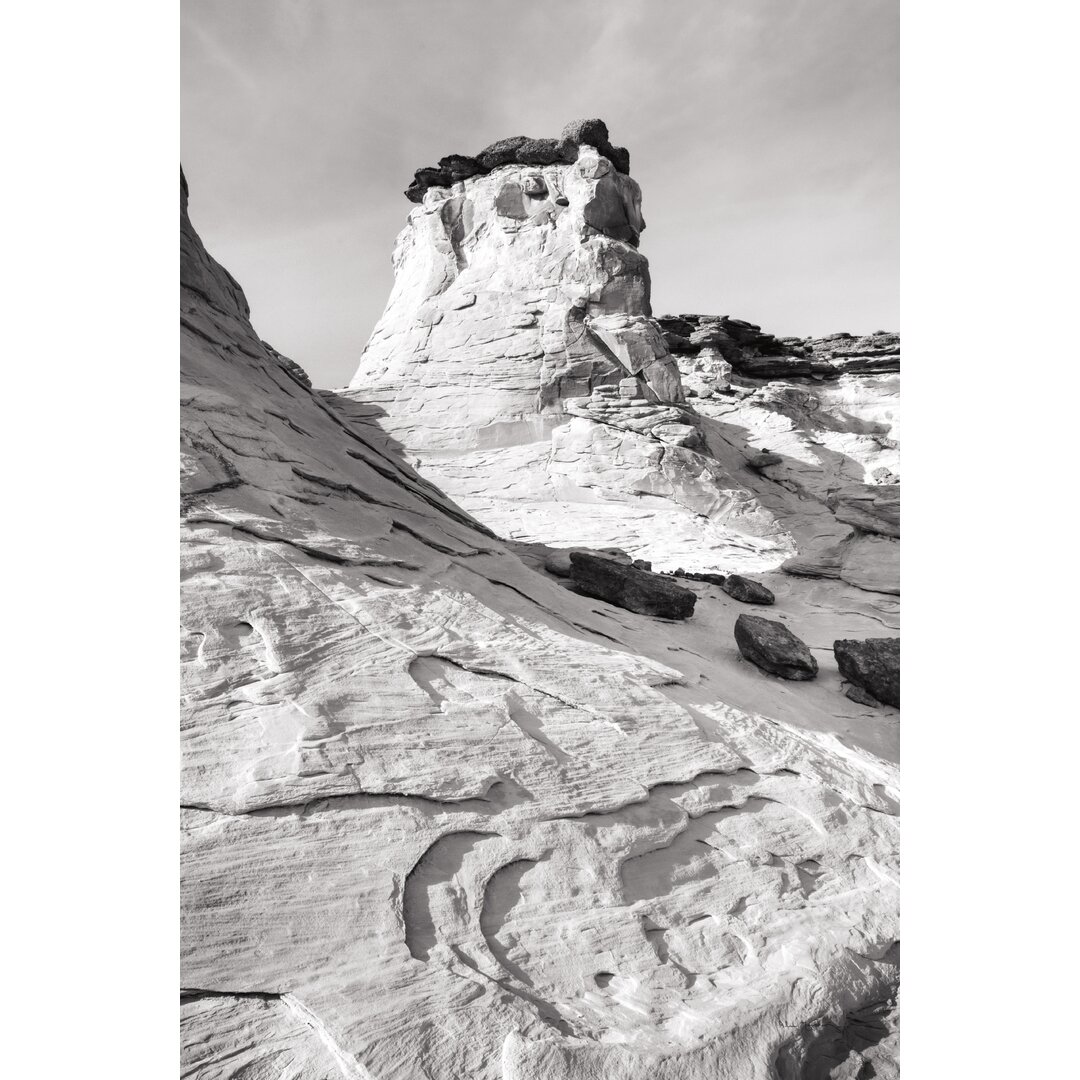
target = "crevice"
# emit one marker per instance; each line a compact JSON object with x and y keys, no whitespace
{"x":188,"y":994}
{"x":306,"y":549}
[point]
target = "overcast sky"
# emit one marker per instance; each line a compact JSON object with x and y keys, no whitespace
{"x":764,"y":135}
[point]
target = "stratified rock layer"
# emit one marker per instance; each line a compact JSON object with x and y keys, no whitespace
{"x":444,"y":817}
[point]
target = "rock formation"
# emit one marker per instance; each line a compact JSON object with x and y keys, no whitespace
{"x":444,"y":816}
{"x":517,"y":361}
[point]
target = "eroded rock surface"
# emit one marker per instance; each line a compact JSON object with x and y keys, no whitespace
{"x":445,"y":817}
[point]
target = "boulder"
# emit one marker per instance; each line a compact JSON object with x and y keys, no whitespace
{"x":558,"y":562}
{"x":771,"y":646}
{"x":763,"y":459}
{"x":873,"y":665}
{"x":501,"y":152}
{"x":712,"y":579}
{"x":459,"y":167}
{"x":628,"y":587}
{"x":587,"y":132}
{"x":749,"y":592}
{"x":619,"y":156}
{"x":539,"y":152}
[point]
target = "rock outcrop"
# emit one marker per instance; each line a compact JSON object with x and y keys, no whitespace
{"x":518,"y":364}
{"x":771,"y":646}
{"x":443,"y":816}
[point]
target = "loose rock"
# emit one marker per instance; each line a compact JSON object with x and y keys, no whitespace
{"x":749,"y":592}
{"x":872,"y":664}
{"x":630,"y":588}
{"x":774,"y":648}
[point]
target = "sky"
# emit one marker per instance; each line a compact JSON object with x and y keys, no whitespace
{"x":764,"y":135}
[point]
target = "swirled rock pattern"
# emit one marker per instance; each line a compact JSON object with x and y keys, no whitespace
{"x":444,"y":817}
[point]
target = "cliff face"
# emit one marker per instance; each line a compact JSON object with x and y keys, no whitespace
{"x":444,"y":817}
{"x":514,"y":291}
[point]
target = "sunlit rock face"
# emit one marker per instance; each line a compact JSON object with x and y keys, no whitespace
{"x":517,"y":362}
{"x":513,"y":292}
{"x":443,"y":817}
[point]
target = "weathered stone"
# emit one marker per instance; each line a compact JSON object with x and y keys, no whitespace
{"x":509,"y":202}
{"x":619,"y":156}
{"x":586,"y":133}
{"x":558,"y":562}
{"x":712,"y":579}
{"x":630,"y":588}
{"x":538,"y":152}
{"x":502,"y":152}
{"x":534,"y":186}
{"x":749,"y":592}
{"x":442,"y":814}
{"x":871,"y":508}
{"x":763,"y":459}
{"x":872,"y":664}
{"x":459,"y":167}
{"x":771,"y":646}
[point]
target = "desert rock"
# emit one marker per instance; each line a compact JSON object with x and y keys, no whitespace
{"x":443,"y":816}
{"x":872,"y":664}
{"x":749,"y":592}
{"x":630,"y":588}
{"x":774,"y":648}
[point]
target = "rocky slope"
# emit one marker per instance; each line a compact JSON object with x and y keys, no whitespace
{"x":444,"y":816}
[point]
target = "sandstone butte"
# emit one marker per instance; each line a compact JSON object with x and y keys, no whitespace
{"x":444,"y":816}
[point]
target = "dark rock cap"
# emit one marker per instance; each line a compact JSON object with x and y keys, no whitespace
{"x":520,"y":150}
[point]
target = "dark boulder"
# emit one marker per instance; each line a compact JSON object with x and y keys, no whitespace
{"x":764,"y":459}
{"x":630,"y":588}
{"x":872,"y":664}
{"x":424,"y":179}
{"x":749,"y":592}
{"x":539,"y":152}
{"x":772,"y":647}
{"x":501,"y":153}
{"x":619,"y":156}
{"x":460,"y":167}
{"x":691,"y":575}
{"x":586,"y":132}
